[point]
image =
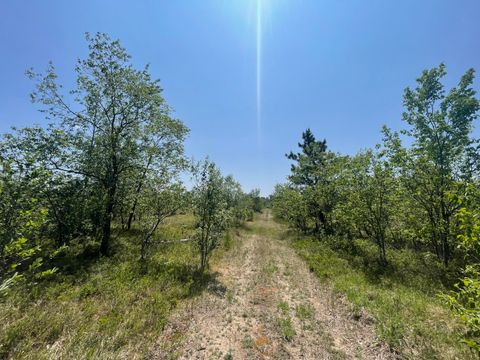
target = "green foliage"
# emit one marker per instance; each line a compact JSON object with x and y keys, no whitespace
{"x":290,"y":206}
{"x":436,"y":168}
{"x":313,"y":176}
{"x":22,"y":249}
{"x":218,"y":203}
{"x":465,"y":299}
{"x":465,"y":302}
{"x":109,"y":157}
{"x":309,"y":161}
{"x":157,"y":203}
{"x":405,"y":199}
{"x":210,"y":204}
{"x":118,"y":133}
{"x":396,"y":195}
{"x":257,"y":203}
{"x":240,"y":205}
{"x":370,"y":198}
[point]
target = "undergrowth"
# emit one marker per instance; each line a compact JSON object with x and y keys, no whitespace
{"x":112,"y":307}
{"x":402,"y":298}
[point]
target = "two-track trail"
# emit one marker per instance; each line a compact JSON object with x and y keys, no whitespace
{"x":266,"y":304}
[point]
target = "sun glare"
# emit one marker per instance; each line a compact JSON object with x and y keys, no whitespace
{"x":259,"y":72}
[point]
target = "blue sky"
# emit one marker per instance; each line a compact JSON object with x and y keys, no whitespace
{"x":336,"y":66}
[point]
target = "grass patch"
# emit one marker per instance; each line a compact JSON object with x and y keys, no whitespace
{"x":304,"y":312}
{"x":283,"y":307}
{"x":403,"y":298}
{"x":112,"y":307}
{"x":286,"y":328}
{"x":270,"y":268}
{"x":247,"y":342}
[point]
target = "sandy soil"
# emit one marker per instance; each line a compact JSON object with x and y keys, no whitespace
{"x":265,"y":304}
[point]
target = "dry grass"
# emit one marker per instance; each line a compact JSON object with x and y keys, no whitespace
{"x":272,"y":307}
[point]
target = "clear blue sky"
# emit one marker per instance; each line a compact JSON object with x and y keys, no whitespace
{"x":336,"y":66}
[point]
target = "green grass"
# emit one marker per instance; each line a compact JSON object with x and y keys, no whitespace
{"x":304,"y":312}
{"x":403,"y":298}
{"x":284,"y":321}
{"x":286,"y":328}
{"x":104,"y":307}
{"x":283,"y":307}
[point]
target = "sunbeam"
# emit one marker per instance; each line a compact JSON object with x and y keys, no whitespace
{"x":254,"y":18}
{"x":259,"y":73}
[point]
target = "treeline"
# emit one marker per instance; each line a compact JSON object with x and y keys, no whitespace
{"x":110,"y":158}
{"x":418,"y":189}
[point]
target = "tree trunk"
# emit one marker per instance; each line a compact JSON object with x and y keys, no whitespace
{"x":105,"y":244}
{"x":143,"y":250}
{"x":383,"y":255}
{"x":445,"y":234}
{"x":203,"y":256}
{"x":446,"y":250}
{"x":130,"y":216}
{"x":137,"y":192}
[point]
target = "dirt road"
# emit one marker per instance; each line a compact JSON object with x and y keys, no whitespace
{"x":266,"y":304}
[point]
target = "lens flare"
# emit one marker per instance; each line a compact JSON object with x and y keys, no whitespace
{"x":259,"y":72}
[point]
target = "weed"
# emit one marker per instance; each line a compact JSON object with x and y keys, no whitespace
{"x":283,"y":306}
{"x":304,"y":312}
{"x":230,"y":296}
{"x":247,"y":342}
{"x":270,"y":268}
{"x":285,"y":326}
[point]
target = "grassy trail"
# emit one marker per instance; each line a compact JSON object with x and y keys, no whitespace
{"x":265,"y":303}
